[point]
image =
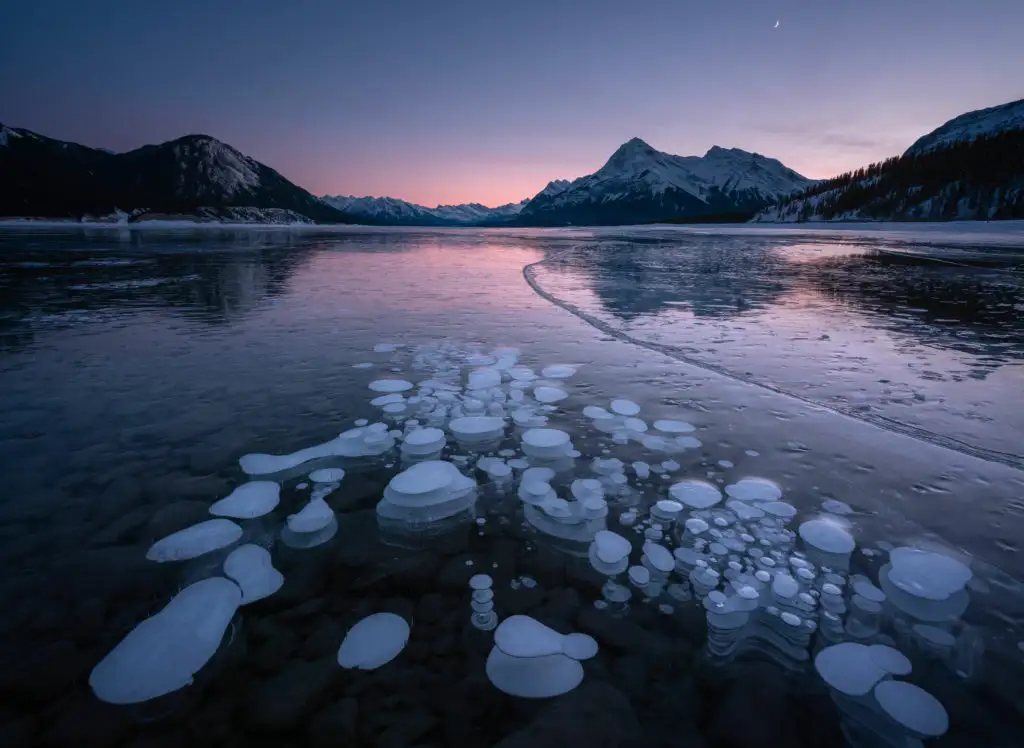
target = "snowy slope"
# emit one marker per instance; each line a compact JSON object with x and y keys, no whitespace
{"x":382,"y":209}
{"x":393,"y":211}
{"x":968,"y":126}
{"x":639,"y":183}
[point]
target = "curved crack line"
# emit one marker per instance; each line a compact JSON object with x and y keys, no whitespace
{"x":879,"y":421}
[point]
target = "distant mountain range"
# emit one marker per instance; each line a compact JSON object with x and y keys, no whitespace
{"x":640,"y":185}
{"x":395,"y":212}
{"x":971,"y":167}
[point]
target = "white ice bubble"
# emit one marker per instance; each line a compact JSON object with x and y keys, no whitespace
{"x":778,"y":509}
{"x":533,"y":677}
{"x":639,"y":575}
{"x":165,"y":651}
{"x":477,"y":428}
{"x":695,"y":494}
{"x":667,"y":426}
{"x":386,"y":347}
{"x":522,"y":636}
{"x":889,"y":659}
{"x":925,"y":574}
{"x":754,"y":489}
{"x":659,"y":557}
{"x":316,"y":515}
{"x":579,"y":646}
{"x":611,"y":548}
{"x":558,"y":371}
{"x":205,"y":537}
{"x":373,"y":642}
{"x":423,"y":478}
{"x":625,"y":407}
{"x":849,"y":668}
{"x":390,"y":385}
{"x":827,"y":536}
{"x":250,"y":500}
{"x":327,"y":475}
{"x":912,"y":707}
{"x":834,"y":506}
{"x":597,"y":413}
{"x":250,"y":566}
{"x":482,"y":379}
{"x":549,"y":394}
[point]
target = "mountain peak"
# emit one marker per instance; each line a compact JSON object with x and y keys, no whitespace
{"x":634,"y":146}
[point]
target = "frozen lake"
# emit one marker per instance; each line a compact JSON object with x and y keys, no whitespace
{"x":872,"y":377}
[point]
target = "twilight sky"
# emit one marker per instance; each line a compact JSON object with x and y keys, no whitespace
{"x":447,"y":101}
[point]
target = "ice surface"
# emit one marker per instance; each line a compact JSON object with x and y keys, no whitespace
{"x":165,"y":651}
{"x":251,"y":567}
{"x":253,"y":499}
{"x":205,"y":537}
{"x":373,"y":642}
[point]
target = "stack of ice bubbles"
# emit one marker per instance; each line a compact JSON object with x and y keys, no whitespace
{"x":877,"y":709}
{"x":427,"y":498}
{"x":609,"y":555}
{"x":533,"y":661}
{"x":621,"y":420}
{"x":740,"y":562}
{"x":575,"y":520}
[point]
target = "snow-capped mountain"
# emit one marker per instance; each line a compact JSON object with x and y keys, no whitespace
{"x":640,"y":184}
{"x":982,"y":122}
{"x":383,"y":210}
{"x":194,"y":176}
{"x":971,"y":168}
{"x":395,"y":212}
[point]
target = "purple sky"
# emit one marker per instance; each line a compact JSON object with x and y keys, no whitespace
{"x":486,"y":101}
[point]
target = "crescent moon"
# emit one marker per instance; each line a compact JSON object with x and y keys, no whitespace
{"x":776,"y":25}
